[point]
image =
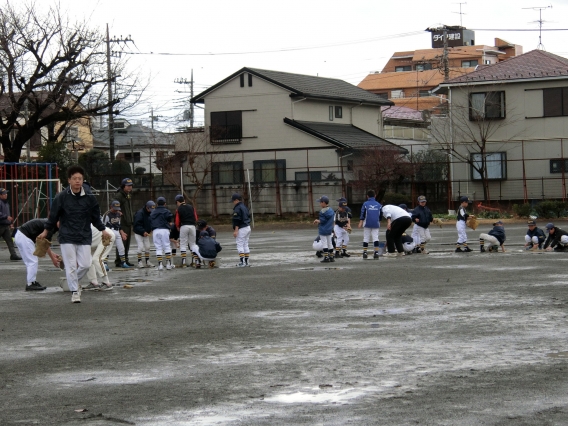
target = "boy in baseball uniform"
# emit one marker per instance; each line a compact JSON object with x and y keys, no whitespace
{"x":495,"y":238}
{"x":461,"y":245}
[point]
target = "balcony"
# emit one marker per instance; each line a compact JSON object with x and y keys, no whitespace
{"x":229,"y":134}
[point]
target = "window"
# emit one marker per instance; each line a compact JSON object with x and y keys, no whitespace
{"x":303,"y":176}
{"x":470,"y":64}
{"x":382,"y":95}
{"x":559,"y":165}
{"x":330,"y":113}
{"x":403,"y":68}
{"x":398,"y":93}
{"x":423,"y":67}
{"x":495,"y":164}
{"x":229,"y":172}
{"x":487,"y":105}
{"x":555,"y":101}
{"x":242,"y":78}
{"x":250,"y":80}
{"x":338,"y":112}
{"x":132,"y":157}
{"x":226,"y":127}
{"x":424,"y":93}
{"x":269,"y":171}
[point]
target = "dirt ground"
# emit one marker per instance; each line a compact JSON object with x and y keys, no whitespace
{"x":438,"y":339}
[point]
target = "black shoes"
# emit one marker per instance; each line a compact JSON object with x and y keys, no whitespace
{"x":35,"y":286}
{"x":365,"y":255}
{"x":325,"y":260}
{"x":482,"y":249}
{"x":467,"y":249}
{"x":15,"y":257}
{"x":459,"y":250}
{"x":319,"y":254}
{"x":376,"y":255}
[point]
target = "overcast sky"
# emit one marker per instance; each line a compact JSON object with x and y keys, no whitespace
{"x":333,"y":38}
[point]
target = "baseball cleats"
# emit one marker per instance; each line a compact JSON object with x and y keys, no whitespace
{"x":365,"y":255}
{"x":376,"y":255}
{"x":325,"y":260}
{"x":459,"y":250}
{"x":467,"y":249}
{"x":482,"y":249}
{"x":149,"y":264}
{"x":35,"y":286}
{"x":319,"y":254}
{"x":345,"y":254}
{"x":75,"y":297}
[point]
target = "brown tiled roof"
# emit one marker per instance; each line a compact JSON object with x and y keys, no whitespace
{"x":407,"y":79}
{"x":531,"y":65}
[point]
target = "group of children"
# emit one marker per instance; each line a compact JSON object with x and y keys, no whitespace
{"x":334,"y":228}
{"x":183,"y":230}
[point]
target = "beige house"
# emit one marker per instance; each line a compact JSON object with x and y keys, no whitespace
{"x":289,"y":135}
{"x":508,"y":123}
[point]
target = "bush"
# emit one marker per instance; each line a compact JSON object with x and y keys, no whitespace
{"x":551,"y":208}
{"x":396,"y":198}
{"x":522,"y":210}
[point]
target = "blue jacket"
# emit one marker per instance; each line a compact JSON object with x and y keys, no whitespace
{"x":75,"y":214}
{"x":161,"y":217}
{"x":142,"y":221}
{"x":208,"y":247}
{"x":326,"y":216}
{"x":425,"y":216}
{"x":241,"y":216}
{"x":371,"y":213}
{"x":499,"y":233}
{"x":537,"y":232}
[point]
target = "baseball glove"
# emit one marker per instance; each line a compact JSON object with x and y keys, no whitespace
{"x":471,"y":222}
{"x":348,"y":229}
{"x":61,"y":264}
{"x":42,"y":245}
{"x":438,"y":221}
{"x":106,"y":239}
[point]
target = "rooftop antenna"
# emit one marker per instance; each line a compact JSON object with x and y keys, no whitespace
{"x":460,"y":12}
{"x":540,"y":22}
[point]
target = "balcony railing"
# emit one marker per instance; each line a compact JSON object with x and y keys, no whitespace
{"x":229,"y":134}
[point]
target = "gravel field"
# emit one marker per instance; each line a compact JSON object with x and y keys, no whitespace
{"x":438,"y":339}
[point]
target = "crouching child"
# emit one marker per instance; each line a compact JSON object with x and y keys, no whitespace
{"x":495,"y":238}
{"x":207,"y":249}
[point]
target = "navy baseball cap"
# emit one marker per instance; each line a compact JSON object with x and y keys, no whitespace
{"x":161,"y":201}
{"x":403,"y":206}
{"x":3,"y":191}
{"x":499,"y":222}
{"x":115,"y":204}
{"x":323,"y":199}
{"x":531,"y":223}
{"x":342,"y":200}
{"x":236,"y":196}
{"x":549,"y":225}
{"x":150,"y":205}
{"x":421,"y":199}
{"x":203,"y":234}
{"x":127,"y":182}
{"x":464,"y":199}
{"x":179,"y":198}
{"x":201,"y":223}
{"x":342,"y":204}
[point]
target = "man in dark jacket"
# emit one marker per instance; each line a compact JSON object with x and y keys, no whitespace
{"x":76,"y":208}
{"x":124,"y":197}
{"x":6,"y":222}
{"x":422,"y":218}
{"x":142,"y":231}
{"x":557,"y":238}
{"x":25,"y":237}
{"x":207,"y":249}
{"x":241,"y":229}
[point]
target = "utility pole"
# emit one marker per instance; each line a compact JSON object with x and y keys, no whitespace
{"x":445,"y":53}
{"x":190,"y":82}
{"x":110,"y":79}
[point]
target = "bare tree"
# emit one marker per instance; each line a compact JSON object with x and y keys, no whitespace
{"x":52,"y":73}
{"x":378,"y":167}
{"x":473,"y":120}
{"x":197,"y":159}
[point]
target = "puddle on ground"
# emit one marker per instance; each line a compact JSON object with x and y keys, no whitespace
{"x":284,"y":350}
{"x":363,"y":325}
{"x":557,"y":355}
{"x":169,"y":298}
{"x":280,"y":314}
{"x":321,"y":268}
{"x":325,"y":396}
